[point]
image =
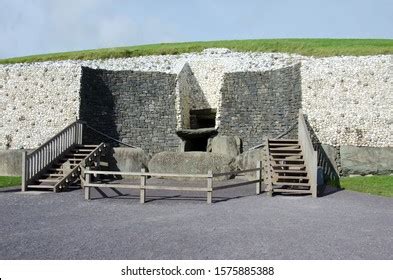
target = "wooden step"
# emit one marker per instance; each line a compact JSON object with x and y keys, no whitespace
{"x":56,"y":169}
{"x":54,"y":175}
{"x":88,"y":146}
{"x":287,"y":159}
{"x":83,"y":150}
{"x":291,"y":184}
{"x":292,"y":191}
{"x":48,"y":180}
{"x":286,"y":154}
{"x":40,"y":186}
{"x":76,"y":155}
{"x":289,"y":171}
{"x":283,"y":149}
{"x":288,"y":165}
{"x":292,"y":177}
{"x":283,"y":140}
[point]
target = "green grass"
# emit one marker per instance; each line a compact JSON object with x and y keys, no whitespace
{"x":377,"y":185}
{"x":308,"y":47}
{"x":7,"y":181}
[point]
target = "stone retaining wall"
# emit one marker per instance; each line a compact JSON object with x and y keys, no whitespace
{"x":134,"y":107}
{"x":258,"y":105}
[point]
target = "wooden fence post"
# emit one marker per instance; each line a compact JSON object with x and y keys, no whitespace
{"x":209,"y":187}
{"x":87,"y":182}
{"x":259,"y":177}
{"x":24,"y":179}
{"x":142,"y":192}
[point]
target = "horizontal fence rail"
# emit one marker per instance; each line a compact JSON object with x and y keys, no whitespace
{"x":35,"y":163}
{"x":87,"y":183}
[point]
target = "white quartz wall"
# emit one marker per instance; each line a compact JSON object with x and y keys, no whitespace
{"x":36,"y":102}
{"x":349,"y":100}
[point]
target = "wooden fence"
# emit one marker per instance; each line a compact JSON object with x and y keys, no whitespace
{"x":87,"y":183}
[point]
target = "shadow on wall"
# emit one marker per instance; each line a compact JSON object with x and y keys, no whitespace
{"x":135,"y":107}
{"x":330,"y":172}
{"x":97,"y":106}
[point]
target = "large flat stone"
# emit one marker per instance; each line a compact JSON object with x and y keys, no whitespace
{"x":248,"y":160}
{"x":11,"y":162}
{"x":191,"y":163}
{"x":227,"y":145}
{"x":366,"y":160}
{"x":127,"y":159}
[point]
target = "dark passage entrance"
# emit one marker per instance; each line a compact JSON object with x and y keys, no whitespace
{"x":203,"y":118}
{"x":196,"y":139}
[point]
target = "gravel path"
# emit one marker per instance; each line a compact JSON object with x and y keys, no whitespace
{"x":240,"y":225}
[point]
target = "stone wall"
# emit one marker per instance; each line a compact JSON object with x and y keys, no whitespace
{"x":36,"y":102}
{"x":349,"y":100}
{"x":257,"y":105}
{"x":134,"y":107}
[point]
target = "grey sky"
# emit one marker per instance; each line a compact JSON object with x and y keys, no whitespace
{"x":39,"y":26}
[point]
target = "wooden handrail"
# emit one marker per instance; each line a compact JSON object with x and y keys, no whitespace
{"x":37,"y":162}
{"x":310,"y":155}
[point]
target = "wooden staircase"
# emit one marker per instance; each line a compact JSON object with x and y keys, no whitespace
{"x":286,"y":166}
{"x":291,"y":164}
{"x":58,"y":163}
{"x":67,"y":169}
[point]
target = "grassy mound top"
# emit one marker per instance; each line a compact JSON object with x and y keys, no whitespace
{"x":307,"y":47}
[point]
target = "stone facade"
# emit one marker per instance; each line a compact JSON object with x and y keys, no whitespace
{"x":134,"y":107}
{"x":142,"y":101}
{"x":258,"y":105}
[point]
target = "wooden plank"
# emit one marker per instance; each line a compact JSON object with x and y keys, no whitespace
{"x":292,"y":191}
{"x":24,"y":172}
{"x":147,"y":174}
{"x":209,"y":197}
{"x":293,"y":177}
{"x":41,"y":186}
{"x":235,"y":172}
{"x":258,"y":185}
{"x":173,"y":188}
{"x":291,"y":184}
{"x":142,"y":192}
{"x":289,"y":165}
{"x":216,"y":188}
{"x":293,"y":171}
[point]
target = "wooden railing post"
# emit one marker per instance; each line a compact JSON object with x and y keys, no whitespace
{"x":209,"y":187}
{"x":142,"y":191}
{"x":259,"y":177}
{"x":24,"y":171}
{"x":87,"y":181}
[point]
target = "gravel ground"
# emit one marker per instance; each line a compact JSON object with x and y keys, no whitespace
{"x":240,"y":225}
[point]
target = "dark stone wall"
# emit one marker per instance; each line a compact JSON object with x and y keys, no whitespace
{"x":258,"y":105}
{"x":137,"y":108}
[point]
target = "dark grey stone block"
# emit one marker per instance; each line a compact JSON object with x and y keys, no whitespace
{"x":366,"y":160}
